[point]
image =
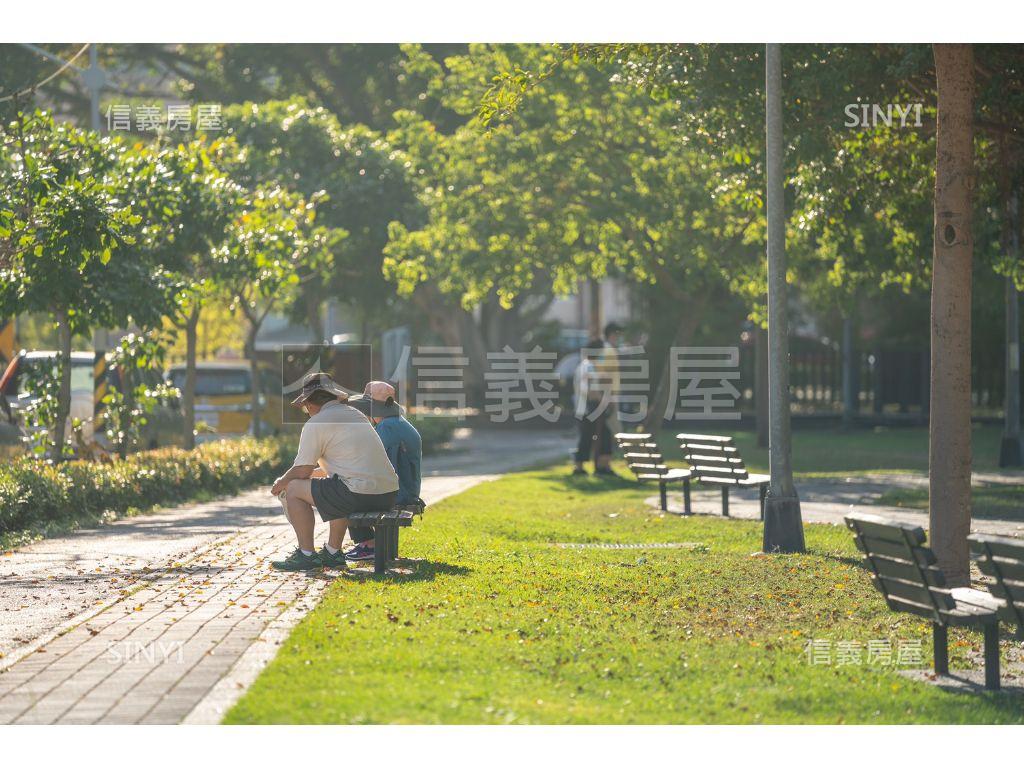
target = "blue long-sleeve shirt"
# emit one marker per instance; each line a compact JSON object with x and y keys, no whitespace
{"x":405,"y":449}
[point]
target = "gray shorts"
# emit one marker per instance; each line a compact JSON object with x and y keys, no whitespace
{"x":334,"y":500}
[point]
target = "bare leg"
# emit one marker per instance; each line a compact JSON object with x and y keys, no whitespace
{"x":299,"y":500}
{"x":283,"y":498}
{"x":336,"y":536}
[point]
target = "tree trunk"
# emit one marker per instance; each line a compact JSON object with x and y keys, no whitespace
{"x":64,"y":385}
{"x":188,"y":397}
{"x":949,"y":437}
{"x":254,"y":374}
{"x":594,"y":319}
{"x":457,"y":328}
{"x":658,"y":407}
{"x":312,"y":303}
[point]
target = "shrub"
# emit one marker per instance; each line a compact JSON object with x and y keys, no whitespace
{"x":35,"y":494}
{"x":434,"y":430}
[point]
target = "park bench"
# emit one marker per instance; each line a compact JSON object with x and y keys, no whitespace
{"x":1002,"y":559}
{"x":646,"y":462}
{"x":386,"y":526}
{"x":903,"y":569}
{"x":716,"y":460}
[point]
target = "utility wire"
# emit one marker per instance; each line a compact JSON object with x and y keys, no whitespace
{"x":43,"y":82}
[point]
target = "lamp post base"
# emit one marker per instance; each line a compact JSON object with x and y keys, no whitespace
{"x":783,"y":526}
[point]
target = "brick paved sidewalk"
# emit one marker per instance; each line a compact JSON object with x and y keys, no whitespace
{"x":153,"y":654}
{"x":152,"y":643}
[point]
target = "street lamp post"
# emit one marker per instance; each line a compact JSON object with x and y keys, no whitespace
{"x":783,"y":526}
{"x":94,"y":77}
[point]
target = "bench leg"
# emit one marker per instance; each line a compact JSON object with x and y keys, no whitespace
{"x":940,"y":645}
{"x":725,"y":500}
{"x":764,"y":491}
{"x":686,"y":497}
{"x":380,"y":549}
{"x":992,"y":657}
{"x":394,"y":543}
{"x":663,"y":494}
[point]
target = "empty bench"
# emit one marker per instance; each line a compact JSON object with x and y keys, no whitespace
{"x":386,"y":526}
{"x":903,"y":569}
{"x":646,"y":462}
{"x":1002,"y":560}
{"x":716,"y":460}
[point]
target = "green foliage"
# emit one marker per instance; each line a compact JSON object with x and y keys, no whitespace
{"x":586,"y":179}
{"x":40,"y":415}
{"x":128,"y":405}
{"x":68,"y":243}
{"x":66,"y":229}
{"x":435,"y":431}
{"x":358,"y":179}
{"x":271,"y":249}
{"x":186,"y":202}
{"x":37,"y":496}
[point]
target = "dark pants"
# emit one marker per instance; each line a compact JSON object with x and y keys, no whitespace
{"x":360,"y":534}
{"x":334,"y":501}
{"x":594,"y":434}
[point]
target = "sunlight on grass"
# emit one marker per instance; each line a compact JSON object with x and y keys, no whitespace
{"x":499,"y":625}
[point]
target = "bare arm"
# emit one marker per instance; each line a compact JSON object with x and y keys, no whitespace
{"x":299,"y":472}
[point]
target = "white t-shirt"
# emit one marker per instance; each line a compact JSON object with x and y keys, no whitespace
{"x":344,"y":443}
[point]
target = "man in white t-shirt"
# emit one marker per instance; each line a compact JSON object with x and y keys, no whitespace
{"x":341,"y":467}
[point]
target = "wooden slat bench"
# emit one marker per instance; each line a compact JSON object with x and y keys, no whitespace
{"x":385,"y":530}
{"x":715,"y":459}
{"x":903,"y":569}
{"x":646,"y":462}
{"x":1002,"y":559}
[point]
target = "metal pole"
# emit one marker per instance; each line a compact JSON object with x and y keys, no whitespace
{"x":93,"y":77}
{"x":783,"y":526}
{"x":94,"y":84}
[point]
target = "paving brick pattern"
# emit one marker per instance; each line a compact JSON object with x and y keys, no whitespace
{"x":167,"y":617}
{"x":152,"y":655}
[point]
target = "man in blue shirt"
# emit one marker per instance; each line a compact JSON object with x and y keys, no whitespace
{"x":403,"y":446}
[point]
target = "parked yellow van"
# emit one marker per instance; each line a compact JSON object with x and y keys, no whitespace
{"x":224,"y":399}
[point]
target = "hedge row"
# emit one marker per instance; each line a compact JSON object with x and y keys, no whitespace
{"x":435,"y":431}
{"x":35,"y":495}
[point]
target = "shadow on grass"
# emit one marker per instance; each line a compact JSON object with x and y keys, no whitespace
{"x":400,"y":571}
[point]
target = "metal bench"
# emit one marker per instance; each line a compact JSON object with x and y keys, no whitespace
{"x":903,"y":569}
{"x":1002,"y":559}
{"x":385,"y":530}
{"x":646,"y":462}
{"x":715,"y":459}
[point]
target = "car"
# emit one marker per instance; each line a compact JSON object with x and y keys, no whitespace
{"x":224,"y":399}
{"x":16,"y":386}
{"x":164,"y":426}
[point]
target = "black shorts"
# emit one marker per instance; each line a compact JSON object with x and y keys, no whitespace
{"x":335,"y":501}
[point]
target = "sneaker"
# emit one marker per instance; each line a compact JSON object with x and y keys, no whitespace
{"x":579,"y":472}
{"x":606,"y":472}
{"x":359,"y":553}
{"x":297,"y":561}
{"x":337,"y":560}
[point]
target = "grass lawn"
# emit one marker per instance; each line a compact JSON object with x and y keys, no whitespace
{"x":820,"y":453}
{"x":499,"y":625}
